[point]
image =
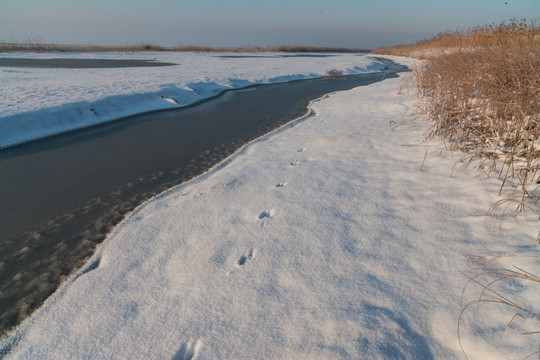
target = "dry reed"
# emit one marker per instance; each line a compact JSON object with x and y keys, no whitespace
{"x":480,"y":90}
{"x":335,"y":74}
{"x":491,"y":282}
{"x":480,"y":93}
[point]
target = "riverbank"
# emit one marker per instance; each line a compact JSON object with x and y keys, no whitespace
{"x":52,"y":223}
{"x":480,"y":91}
{"x":329,"y":239}
{"x":40,"y":102}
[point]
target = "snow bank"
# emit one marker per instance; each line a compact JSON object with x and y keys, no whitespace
{"x":36,"y":102}
{"x":320,"y":240}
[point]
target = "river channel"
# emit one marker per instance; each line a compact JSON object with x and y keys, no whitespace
{"x":61,"y":196}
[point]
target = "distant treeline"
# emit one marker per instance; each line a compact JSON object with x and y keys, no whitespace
{"x":34,"y":46}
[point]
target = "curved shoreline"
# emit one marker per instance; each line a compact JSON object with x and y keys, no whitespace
{"x":103,"y":210}
{"x":149,"y":112}
{"x":53,"y":101}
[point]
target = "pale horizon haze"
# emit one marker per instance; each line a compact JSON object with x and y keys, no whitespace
{"x":337,"y":23}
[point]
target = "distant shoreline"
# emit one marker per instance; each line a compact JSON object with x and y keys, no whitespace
{"x":79,"y":63}
{"x":39,"y":47}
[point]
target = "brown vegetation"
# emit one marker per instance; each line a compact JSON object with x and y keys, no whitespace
{"x":480,"y":93}
{"x":35,"y":45}
{"x":480,"y":90}
{"x":490,"y":282}
{"x":514,"y":34}
{"x":335,"y":74}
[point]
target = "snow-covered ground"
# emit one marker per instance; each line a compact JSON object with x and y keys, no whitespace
{"x":325,"y":239}
{"x":37,"y":102}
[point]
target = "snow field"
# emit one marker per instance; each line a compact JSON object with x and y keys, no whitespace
{"x":36,"y":103}
{"x":320,"y":240}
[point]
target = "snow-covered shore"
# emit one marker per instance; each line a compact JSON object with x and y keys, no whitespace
{"x":320,"y":240}
{"x":39,"y":102}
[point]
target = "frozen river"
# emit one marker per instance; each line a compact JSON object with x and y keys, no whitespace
{"x":61,"y":196}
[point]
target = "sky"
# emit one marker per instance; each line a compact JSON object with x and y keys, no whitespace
{"x":335,"y":23}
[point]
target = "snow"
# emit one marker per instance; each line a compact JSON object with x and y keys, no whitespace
{"x":37,"y":102}
{"x":326,"y":238}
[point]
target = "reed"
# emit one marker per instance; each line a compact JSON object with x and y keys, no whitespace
{"x":480,"y":90}
{"x":490,"y":282}
{"x":335,"y":74}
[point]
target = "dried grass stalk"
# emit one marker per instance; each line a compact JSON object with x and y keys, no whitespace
{"x":490,"y":281}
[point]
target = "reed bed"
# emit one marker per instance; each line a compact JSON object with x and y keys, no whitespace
{"x":480,"y":90}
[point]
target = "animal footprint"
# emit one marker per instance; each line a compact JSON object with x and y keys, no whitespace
{"x":189,"y":350}
{"x":245,"y":258}
{"x":267,"y":214}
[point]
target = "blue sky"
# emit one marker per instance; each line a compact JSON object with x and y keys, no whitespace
{"x":349,"y":23}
